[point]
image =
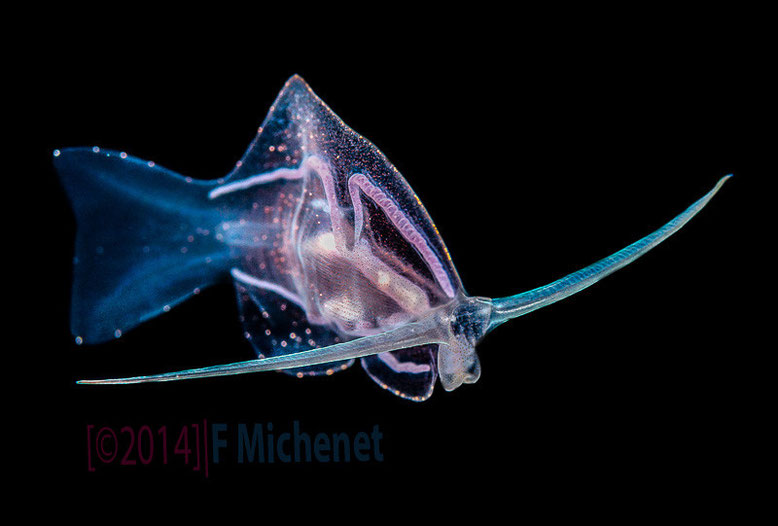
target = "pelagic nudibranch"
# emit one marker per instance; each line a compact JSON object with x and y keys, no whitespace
{"x":332,"y":255}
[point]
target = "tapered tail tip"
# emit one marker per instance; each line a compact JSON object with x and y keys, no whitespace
{"x":88,"y":382}
{"x":718,"y":186}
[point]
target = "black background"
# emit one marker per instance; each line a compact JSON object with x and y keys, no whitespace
{"x":535,"y":156}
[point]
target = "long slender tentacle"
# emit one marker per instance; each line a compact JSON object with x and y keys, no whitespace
{"x":504,"y":309}
{"x":420,"y":333}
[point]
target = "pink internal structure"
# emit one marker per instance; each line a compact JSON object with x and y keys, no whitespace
{"x":331,"y":263}
{"x":404,"y":226}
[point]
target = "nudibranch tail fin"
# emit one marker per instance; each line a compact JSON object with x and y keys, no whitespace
{"x":504,"y":309}
{"x":423,"y":332}
{"x":141,"y":243}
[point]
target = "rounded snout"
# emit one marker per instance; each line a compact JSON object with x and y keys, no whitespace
{"x":457,"y":364}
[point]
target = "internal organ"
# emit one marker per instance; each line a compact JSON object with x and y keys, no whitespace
{"x":344,"y":273}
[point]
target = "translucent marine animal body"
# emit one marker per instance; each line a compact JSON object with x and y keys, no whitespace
{"x":332,"y":255}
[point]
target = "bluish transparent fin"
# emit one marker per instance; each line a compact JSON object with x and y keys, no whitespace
{"x":504,"y":309}
{"x":144,"y":242}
